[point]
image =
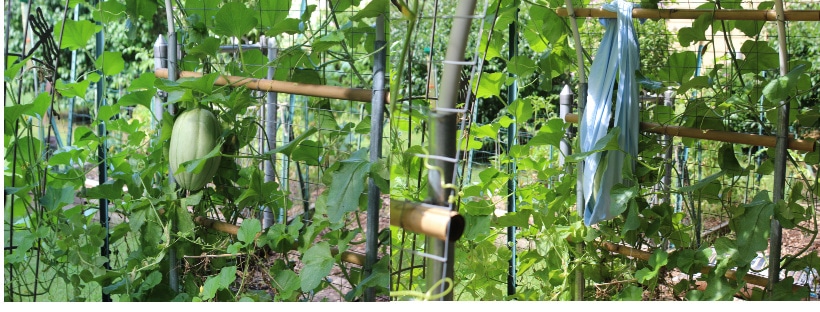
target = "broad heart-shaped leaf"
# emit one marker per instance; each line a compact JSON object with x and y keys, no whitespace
{"x":288,"y":26}
{"x":248,"y":230}
{"x":286,"y":282}
{"x":287,"y":149}
{"x":489,"y":86}
{"x":549,"y":134}
{"x":728,"y":161}
{"x":372,"y":9}
{"x":145,"y":8}
{"x":519,"y":219}
{"x":681,"y":67}
{"x":204,"y":84}
{"x":234,"y":19}
{"x":658,"y":259}
{"x":207,"y":47}
{"x":77,"y":33}
{"x":184,"y":221}
{"x":111,"y":63}
{"x":273,"y":11}
{"x":109,"y":11}
{"x":214,"y":283}
{"x":318,"y":263}
{"x":752,"y":222}
{"x":521,"y":109}
{"x":621,"y":196}
{"x":308,"y":151}
{"x":780,"y":89}
{"x":630,"y":293}
{"x":345,"y":189}
{"x":521,"y":65}
{"x":56,"y":198}
{"x":759,"y":56}
{"x":37,"y":108}
{"x":77,"y":89}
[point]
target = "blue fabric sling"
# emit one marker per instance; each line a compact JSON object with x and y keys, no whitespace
{"x":600,"y":171}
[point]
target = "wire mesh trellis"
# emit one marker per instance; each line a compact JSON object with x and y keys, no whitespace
{"x":684,"y":175}
{"x":339,"y":125}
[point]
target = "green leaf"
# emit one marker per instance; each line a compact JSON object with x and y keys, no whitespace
{"x":37,"y":108}
{"x":372,"y":9}
{"x":752,"y":226}
{"x":759,"y":56}
{"x":204,"y":84}
{"x":658,"y":259}
{"x":206,"y":48}
{"x":519,"y":219}
{"x":111,"y":189}
{"x":620,"y":197}
{"x":318,"y":263}
{"x":521,"y":65}
{"x":489,"y":86}
{"x":681,"y":67}
{"x":286,"y":282}
{"x":521,"y":109}
{"x":630,"y":293}
{"x":288,"y":26}
{"x":248,"y":230}
{"x":346,"y":188}
{"x":728,"y":161}
{"x":111,"y":63}
{"x":697,"y":32}
{"x":702,"y":183}
{"x":644,"y":275}
{"x":288,"y":148}
{"x":780,"y":89}
{"x":273,"y":11}
{"x":56,"y":198}
{"x":145,"y":8}
{"x":699,"y":82}
{"x":77,"y":33}
{"x":109,"y":12}
{"x":77,"y":89}
{"x":234,"y":19}
{"x":550,"y":134}
{"x":308,"y":151}
{"x":184,"y":220}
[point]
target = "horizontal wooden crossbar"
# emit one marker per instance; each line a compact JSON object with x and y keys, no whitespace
{"x":267,"y":85}
{"x":716,"y":135}
{"x":644,"y":255}
{"x":737,"y":15}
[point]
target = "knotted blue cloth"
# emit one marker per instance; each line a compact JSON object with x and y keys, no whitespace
{"x":602,"y":170}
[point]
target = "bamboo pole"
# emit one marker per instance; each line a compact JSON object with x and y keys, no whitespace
{"x":425,"y":219}
{"x":644,"y":255}
{"x":737,"y":15}
{"x":268,"y":85}
{"x":716,"y":135}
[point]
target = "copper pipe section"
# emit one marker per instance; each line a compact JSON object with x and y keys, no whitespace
{"x":330,"y":92}
{"x":716,"y":135}
{"x":737,"y":15}
{"x":349,"y":256}
{"x":217,"y":225}
{"x":427,"y":219}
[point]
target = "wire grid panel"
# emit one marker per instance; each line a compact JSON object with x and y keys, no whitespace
{"x":331,"y":49}
{"x":419,"y":91}
{"x":709,"y":179}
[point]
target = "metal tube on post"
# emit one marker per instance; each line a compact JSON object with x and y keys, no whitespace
{"x":443,"y":122}
{"x":781,"y":153}
{"x":160,"y":61}
{"x":512,"y":140}
{"x":566,"y":98}
{"x":270,"y":121}
{"x":73,"y":79}
{"x":668,"y":100}
{"x":374,"y":201}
